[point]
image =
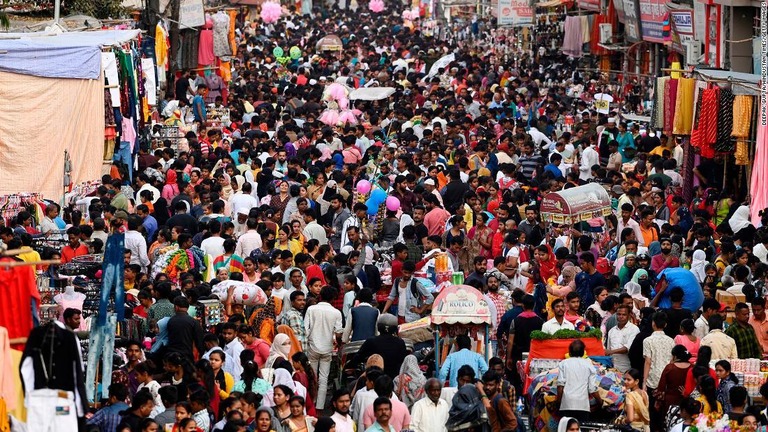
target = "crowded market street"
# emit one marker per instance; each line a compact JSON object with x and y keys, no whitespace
{"x":371,"y":216}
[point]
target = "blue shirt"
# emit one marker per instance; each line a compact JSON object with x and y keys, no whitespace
{"x":150,"y":226}
{"x":108,"y":418}
{"x":453,"y":362}
{"x":198,"y":106}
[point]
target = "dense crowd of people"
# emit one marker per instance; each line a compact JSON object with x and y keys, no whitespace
{"x":469,"y":151}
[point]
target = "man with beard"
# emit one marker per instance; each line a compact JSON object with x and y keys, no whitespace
{"x":418,"y":224}
{"x":430,"y":414}
{"x":500,"y":302}
{"x":665,"y":259}
{"x":532,"y":229}
{"x":126,"y":375}
{"x":382,"y":410}
{"x":334,"y":220}
{"x":407,"y":198}
{"x":341,"y":401}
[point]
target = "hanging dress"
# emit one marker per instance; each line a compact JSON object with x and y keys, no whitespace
{"x":205,"y":56}
{"x":742,"y":122}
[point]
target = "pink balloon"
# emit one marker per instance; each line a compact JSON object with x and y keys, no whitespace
{"x":363,"y":187}
{"x":393,"y":204}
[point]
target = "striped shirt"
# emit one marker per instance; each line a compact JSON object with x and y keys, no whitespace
{"x":529,"y":164}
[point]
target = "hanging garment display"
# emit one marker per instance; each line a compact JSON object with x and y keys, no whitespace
{"x":658,"y":102}
{"x":670,"y":102}
{"x":113,"y":267}
{"x":724,"y":143}
{"x":101,"y":346}
{"x":205,"y":56}
{"x":215,"y":86}
{"x":52,"y":360}
{"x":684,"y":107}
{"x":572,"y":41}
{"x":221,"y":47}
{"x":696,"y":130}
{"x":742,"y":122}
{"x":19,"y":290}
{"x":7,"y":372}
{"x":188,"y":52}
{"x":161,"y":52}
{"x":708,"y":120}
{"x":109,"y":64}
{"x":51,"y":410}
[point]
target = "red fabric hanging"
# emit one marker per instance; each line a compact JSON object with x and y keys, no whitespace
{"x":670,"y":100}
{"x":17,"y":288}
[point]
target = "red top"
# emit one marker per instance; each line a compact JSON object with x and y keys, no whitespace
{"x":68,"y":253}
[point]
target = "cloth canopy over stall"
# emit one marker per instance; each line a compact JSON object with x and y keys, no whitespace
{"x":741,"y":83}
{"x":330,"y":43}
{"x":461,"y":305}
{"x":57,"y":77}
{"x":371,"y":93}
{"x":578,"y":204}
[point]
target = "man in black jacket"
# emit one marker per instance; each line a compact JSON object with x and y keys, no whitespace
{"x":184,"y":332}
{"x":453,"y":193}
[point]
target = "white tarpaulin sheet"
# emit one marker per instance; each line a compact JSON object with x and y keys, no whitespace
{"x":372,"y":93}
{"x":68,"y":55}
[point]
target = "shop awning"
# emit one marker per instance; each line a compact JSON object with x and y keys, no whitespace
{"x":330,"y":43}
{"x":372,"y":93}
{"x":741,"y":83}
{"x":460,"y":304}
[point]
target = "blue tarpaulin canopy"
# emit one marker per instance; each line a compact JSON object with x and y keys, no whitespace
{"x":65,"y":55}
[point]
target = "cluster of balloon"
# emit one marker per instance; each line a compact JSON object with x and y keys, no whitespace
{"x":377,"y":198}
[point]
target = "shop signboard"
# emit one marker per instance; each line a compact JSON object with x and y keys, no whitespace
{"x":682,"y":29}
{"x":590,"y":5}
{"x":632,"y":28}
{"x":619,"y":6}
{"x":514,"y":13}
{"x":653,"y":13}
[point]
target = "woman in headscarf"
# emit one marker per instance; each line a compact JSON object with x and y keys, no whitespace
{"x":654,"y":249}
{"x":699,"y":264}
{"x":568,"y":424}
{"x":237,"y":183}
{"x":742,"y":228}
{"x":409,"y":384}
{"x":628,"y":269}
{"x":567,"y":281}
{"x":279,"y":201}
{"x":639,"y":275}
{"x":295,"y":343}
{"x":283,"y":377}
{"x":263,"y":320}
{"x":225,"y":181}
{"x":171,"y":188}
{"x":281,"y":349}
{"x":547,"y":263}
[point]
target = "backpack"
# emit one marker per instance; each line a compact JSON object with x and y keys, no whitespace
{"x":413,"y":287}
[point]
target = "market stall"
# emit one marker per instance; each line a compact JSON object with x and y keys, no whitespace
{"x":460,"y":309}
{"x":329,"y":43}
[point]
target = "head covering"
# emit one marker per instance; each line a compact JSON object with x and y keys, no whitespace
{"x":240,"y":181}
{"x":699,"y":265}
{"x":281,"y":348}
{"x":324,"y":424}
{"x":639,"y":273}
{"x":288,"y":331}
{"x":283,"y":377}
{"x":740,"y":219}
{"x":654,"y":249}
{"x":409,"y":384}
{"x":563,"y":425}
{"x":375,"y":360}
{"x":633,"y":289}
{"x":170,"y":177}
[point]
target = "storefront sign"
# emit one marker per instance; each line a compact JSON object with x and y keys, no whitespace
{"x":515,"y":13}
{"x":619,"y":6}
{"x":632,"y":28}
{"x":652,"y":15}
{"x":191,"y":14}
{"x":682,"y":29}
{"x":590,"y":5}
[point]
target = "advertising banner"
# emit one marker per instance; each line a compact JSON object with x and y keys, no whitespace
{"x":632,"y":28}
{"x":652,"y":16}
{"x":515,"y":13}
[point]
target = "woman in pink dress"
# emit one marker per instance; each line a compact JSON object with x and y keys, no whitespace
{"x":687,"y":339}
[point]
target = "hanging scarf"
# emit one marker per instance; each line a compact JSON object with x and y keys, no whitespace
{"x":724,"y":143}
{"x":742,"y":122}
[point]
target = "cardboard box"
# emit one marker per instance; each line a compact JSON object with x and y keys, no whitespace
{"x":730,"y":299}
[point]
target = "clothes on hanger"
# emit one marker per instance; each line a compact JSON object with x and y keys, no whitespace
{"x":101,"y":345}
{"x":19,"y":291}
{"x":221,"y":46}
{"x":52,"y":375}
{"x":113,"y":268}
{"x":205,"y":55}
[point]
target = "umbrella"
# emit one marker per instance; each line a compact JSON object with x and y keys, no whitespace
{"x":329,"y":43}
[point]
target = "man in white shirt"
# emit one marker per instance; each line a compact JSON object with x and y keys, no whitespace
{"x":576,"y":382}
{"x":313,"y":230}
{"x":541,"y":140}
{"x":723,"y":346}
{"x":709,"y":308}
{"x":626,"y":221}
{"x":323,"y":325}
{"x":558,"y":322}
{"x":232,"y":349}
{"x":249,"y":241}
{"x":143,"y":181}
{"x":365,"y":396}
{"x":589,"y":158}
{"x":243,"y":200}
{"x":430,"y":414}
{"x":620,"y":338}
{"x":213,"y":245}
{"x":136,"y":243}
{"x":341,"y":402}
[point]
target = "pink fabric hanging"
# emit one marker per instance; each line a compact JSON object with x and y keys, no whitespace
{"x":205,"y":55}
{"x":572,"y":39}
{"x":670,"y":99}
